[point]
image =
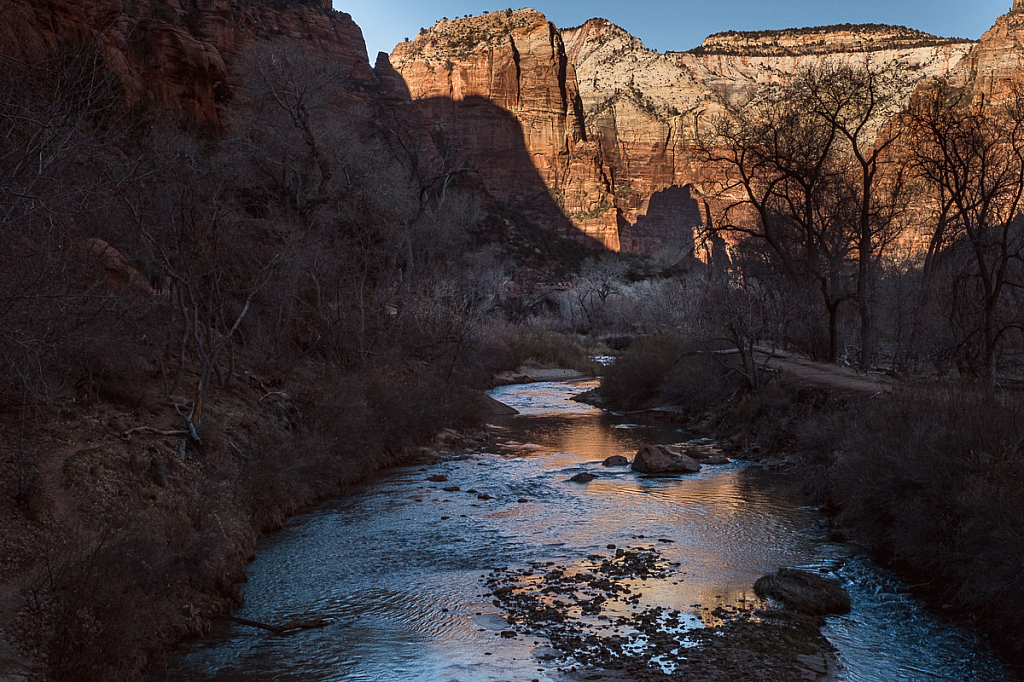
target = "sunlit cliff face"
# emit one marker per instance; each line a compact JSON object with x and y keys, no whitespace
{"x":606,"y":124}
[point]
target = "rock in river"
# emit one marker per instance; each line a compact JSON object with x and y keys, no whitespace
{"x":804,"y":592}
{"x":583,"y":478}
{"x":616,"y":461}
{"x":659,"y":460}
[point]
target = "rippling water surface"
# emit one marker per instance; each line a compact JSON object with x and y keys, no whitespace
{"x":397,"y":566}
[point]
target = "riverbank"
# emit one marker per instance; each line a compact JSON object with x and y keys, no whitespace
{"x":930,"y":479}
{"x":124,"y":531}
{"x":124,"y":522}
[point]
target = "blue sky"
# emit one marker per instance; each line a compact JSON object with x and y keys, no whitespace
{"x":682,"y":24}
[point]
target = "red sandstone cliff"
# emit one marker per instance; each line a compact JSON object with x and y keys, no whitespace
{"x":585,"y":128}
{"x":503,"y":88}
{"x":996,"y":62}
{"x":178,"y":52}
{"x":641,"y":105}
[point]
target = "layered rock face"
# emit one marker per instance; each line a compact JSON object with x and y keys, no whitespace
{"x":178,"y":52}
{"x":642,"y":106}
{"x":501,"y":87}
{"x":996,"y":62}
{"x":606,"y":122}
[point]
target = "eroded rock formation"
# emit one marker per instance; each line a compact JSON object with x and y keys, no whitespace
{"x":584,"y":128}
{"x":606,"y":121}
{"x":996,"y":62}
{"x":641,"y":105}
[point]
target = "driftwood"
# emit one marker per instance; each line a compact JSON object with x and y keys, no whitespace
{"x":276,"y":629}
{"x":127,"y":435}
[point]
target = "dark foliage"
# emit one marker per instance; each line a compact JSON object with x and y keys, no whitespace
{"x":933,"y":481}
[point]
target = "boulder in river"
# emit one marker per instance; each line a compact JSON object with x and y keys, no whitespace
{"x":804,"y":592}
{"x":659,"y":460}
{"x":583,"y":477}
{"x":615,"y":461}
{"x":437,"y":478}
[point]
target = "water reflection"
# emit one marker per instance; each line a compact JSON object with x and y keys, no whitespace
{"x":398,"y":566}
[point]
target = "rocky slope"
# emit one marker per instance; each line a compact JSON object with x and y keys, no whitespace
{"x":179,"y":52}
{"x":605,"y":119}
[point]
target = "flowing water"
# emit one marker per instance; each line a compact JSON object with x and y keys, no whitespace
{"x":397,"y":566}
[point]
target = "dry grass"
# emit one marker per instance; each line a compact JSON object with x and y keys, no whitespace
{"x":508,"y":347}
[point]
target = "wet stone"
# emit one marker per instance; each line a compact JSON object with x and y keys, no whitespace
{"x":567,"y":605}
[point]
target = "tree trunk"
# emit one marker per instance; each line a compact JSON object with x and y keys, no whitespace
{"x":991,"y":349}
{"x":833,"y":331}
{"x":867,"y":350}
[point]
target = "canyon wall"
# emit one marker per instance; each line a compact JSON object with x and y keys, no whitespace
{"x":606,"y":121}
{"x":582,"y":129}
{"x":179,"y":52}
{"x":989,"y":72}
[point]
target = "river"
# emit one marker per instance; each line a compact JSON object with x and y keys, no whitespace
{"x":397,"y":567}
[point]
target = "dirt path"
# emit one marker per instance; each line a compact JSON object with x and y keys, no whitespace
{"x":837,"y":377}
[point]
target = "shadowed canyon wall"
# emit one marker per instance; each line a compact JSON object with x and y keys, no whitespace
{"x":179,"y":52}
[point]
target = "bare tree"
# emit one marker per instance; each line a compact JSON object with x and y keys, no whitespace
{"x":599,"y":279}
{"x":808,"y":169}
{"x":857,"y":102}
{"x":774,"y":170}
{"x":972,"y":159}
{"x":56,"y":115}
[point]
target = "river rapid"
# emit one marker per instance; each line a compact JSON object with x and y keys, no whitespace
{"x":397,"y":567}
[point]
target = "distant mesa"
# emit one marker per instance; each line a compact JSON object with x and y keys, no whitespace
{"x":821,"y":40}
